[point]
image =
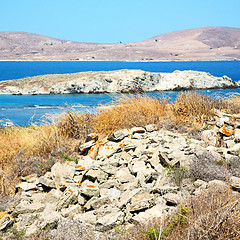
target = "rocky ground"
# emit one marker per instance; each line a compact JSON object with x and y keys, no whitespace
{"x":122,"y":81}
{"x":132,"y":176}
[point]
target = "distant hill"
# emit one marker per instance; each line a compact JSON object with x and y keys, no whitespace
{"x":207,"y":43}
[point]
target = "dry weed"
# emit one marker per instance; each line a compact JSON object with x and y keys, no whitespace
{"x":131,"y":111}
{"x":194,"y":107}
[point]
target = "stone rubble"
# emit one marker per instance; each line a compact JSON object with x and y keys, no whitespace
{"x":126,"y":179}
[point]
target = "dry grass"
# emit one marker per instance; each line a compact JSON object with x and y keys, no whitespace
{"x":131,"y":111}
{"x":22,"y":145}
{"x":195,"y":107}
{"x":232,"y":104}
{"x":211,"y":215}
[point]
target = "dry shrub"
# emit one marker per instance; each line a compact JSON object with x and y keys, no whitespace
{"x":75,"y":125}
{"x":232,"y":104}
{"x":211,"y":215}
{"x":23,"y":149}
{"x":130,"y":111}
{"x":195,"y":107}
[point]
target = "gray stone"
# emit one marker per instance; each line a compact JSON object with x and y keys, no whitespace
{"x":141,"y":201}
{"x":114,"y":194}
{"x":126,"y":197}
{"x":84,"y":164}
{"x":90,"y":189}
{"x":151,"y":128}
{"x":83,"y":149}
{"x":97,"y":174}
{"x":108,"y":149}
{"x":172,"y":199}
{"x":119,"y":135}
{"x":96,"y":203}
{"x":156,"y":212}
{"x":26,"y":186}
{"x":235,"y":150}
{"x":123,"y":175}
{"x":71,"y":211}
{"x":6,"y":221}
{"x":237,"y":135}
{"x":210,"y":137}
{"x":87,"y":217}
{"x":69,"y":197}
{"x":137,"y":166}
{"x":60,"y":172}
{"x":235,"y":183}
{"x":109,"y":221}
{"x":47,"y":182}
{"x":52,"y":196}
{"x":49,"y":217}
{"x":137,"y":130}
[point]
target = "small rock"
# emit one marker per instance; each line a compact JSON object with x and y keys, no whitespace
{"x":87,"y":217}
{"x":151,"y":128}
{"x":123,"y":175}
{"x":62,"y":171}
{"x":235,"y":150}
{"x":97,"y":174}
{"x":113,"y":194}
{"x":92,"y":137}
{"x":71,"y":211}
{"x":137,"y":130}
{"x":108,"y":149}
{"x":6,"y":221}
{"x":235,"y":183}
{"x":25,"y":186}
{"x":210,"y":137}
{"x":83,"y":149}
{"x":110,"y":220}
{"x":119,"y":135}
{"x":47,"y":182}
{"x":237,"y":135}
{"x":226,"y":131}
{"x":89,"y":189}
{"x":172,"y":199}
{"x":141,"y":200}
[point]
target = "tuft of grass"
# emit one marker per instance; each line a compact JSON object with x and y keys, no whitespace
{"x":71,"y":159}
{"x":130,"y":111}
{"x":195,"y":107}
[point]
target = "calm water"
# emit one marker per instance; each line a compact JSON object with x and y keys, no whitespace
{"x":23,"y":110}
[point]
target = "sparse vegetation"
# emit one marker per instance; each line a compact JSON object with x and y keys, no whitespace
{"x":25,"y":150}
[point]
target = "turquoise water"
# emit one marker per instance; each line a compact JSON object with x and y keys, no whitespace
{"x":26,"y":109}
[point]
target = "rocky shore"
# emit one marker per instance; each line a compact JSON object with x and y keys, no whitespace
{"x":131,"y":176}
{"x":122,"y":81}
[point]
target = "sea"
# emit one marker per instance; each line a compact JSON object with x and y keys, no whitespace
{"x":25,"y":110}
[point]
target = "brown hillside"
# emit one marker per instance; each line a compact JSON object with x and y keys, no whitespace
{"x":207,"y":43}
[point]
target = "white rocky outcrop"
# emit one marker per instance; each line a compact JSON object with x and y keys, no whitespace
{"x":115,"y":81}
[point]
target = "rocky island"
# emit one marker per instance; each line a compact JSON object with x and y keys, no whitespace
{"x":120,"y":81}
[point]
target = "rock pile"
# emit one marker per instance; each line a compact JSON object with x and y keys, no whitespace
{"x":129,"y":176}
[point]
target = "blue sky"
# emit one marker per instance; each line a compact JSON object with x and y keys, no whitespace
{"x":111,"y":21}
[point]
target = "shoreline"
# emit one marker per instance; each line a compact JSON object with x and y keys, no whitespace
{"x":146,"y":61}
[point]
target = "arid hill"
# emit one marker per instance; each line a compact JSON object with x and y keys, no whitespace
{"x":207,"y":43}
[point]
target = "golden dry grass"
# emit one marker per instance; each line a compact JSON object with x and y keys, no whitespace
{"x":131,"y":111}
{"x":69,"y":130}
{"x":24,"y":143}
